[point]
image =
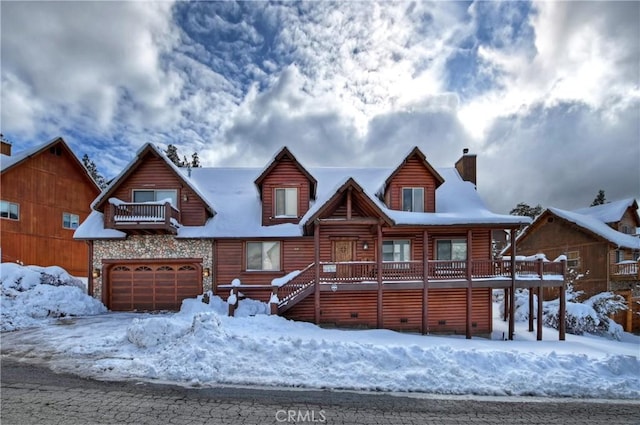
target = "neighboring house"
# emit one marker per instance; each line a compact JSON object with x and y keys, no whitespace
{"x":160,"y":233}
{"x":599,"y":245}
{"x":45,"y":192}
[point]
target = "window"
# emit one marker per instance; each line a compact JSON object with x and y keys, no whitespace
{"x":619,"y":256}
{"x":625,"y":229}
{"x":70,"y":221}
{"x":140,"y":196}
{"x":413,"y":199}
{"x":9,"y":210}
{"x":397,"y":250}
{"x":573,"y":259}
{"x":451,"y":249}
{"x":287,"y":202}
{"x":264,"y":256}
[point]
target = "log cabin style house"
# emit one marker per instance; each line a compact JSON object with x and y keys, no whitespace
{"x":45,"y":194}
{"x":601,"y":245}
{"x":405,"y":247}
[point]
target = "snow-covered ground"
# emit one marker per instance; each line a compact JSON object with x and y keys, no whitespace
{"x":200,"y":346}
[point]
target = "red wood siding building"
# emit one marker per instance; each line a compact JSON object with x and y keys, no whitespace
{"x":46,"y":192}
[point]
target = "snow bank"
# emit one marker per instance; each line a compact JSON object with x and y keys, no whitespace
{"x":32,"y":293}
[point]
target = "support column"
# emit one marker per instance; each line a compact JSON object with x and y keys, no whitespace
{"x":540,"y":290}
{"x":531,"y":309}
{"x":425,"y":283}
{"x":563,"y":303}
{"x":505,"y":316}
{"x":512,"y":294}
{"x":469,"y":283}
{"x":379,"y":267}
{"x":316,"y":289}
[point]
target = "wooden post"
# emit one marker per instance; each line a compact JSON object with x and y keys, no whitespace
{"x":316,"y":289}
{"x":379,"y":266}
{"x":512,"y":294}
{"x":629,"y":318}
{"x":425,"y":282}
{"x":349,"y":203}
{"x":234,"y":306}
{"x":539,"y":316}
{"x":506,"y":304}
{"x":469,"y":284}
{"x":273,"y":307}
{"x":531,"y":309}
{"x":563,"y":303}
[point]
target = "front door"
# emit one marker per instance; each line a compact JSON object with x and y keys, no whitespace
{"x":343,"y":252}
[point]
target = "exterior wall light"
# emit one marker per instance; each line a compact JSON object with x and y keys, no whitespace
{"x":95,"y":273}
{"x":365,"y":245}
{"x":206,"y":272}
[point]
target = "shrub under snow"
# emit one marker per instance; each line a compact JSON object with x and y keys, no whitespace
{"x":30,"y":294}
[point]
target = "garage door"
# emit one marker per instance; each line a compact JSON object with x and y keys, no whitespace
{"x":160,"y":286}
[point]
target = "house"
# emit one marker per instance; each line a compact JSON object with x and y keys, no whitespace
{"x":598,"y":244}
{"x":405,"y":247}
{"x":45,"y":193}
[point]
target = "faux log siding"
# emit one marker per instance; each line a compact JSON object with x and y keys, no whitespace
{"x":153,"y":174}
{"x":629,"y":219}
{"x":296,"y":254}
{"x":358,"y":233}
{"x":412,"y":174}
{"x":445,"y":305}
{"x":285,"y":174}
{"x":45,"y":186}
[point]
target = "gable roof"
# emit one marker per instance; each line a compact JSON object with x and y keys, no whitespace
{"x":417,"y":153}
{"x":586,"y":223}
{"x":135,"y":163}
{"x":7,"y":162}
{"x":239,"y":208}
{"x":286,"y":153}
{"x":610,"y":212}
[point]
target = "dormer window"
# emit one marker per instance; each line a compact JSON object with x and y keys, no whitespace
{"x":286,"y":202}
{"x":413,"y":199}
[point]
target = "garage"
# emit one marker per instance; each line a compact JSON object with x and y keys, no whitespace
{"x":149,"y":286}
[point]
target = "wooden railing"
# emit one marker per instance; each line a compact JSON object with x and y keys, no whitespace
{"x":141,"y":215}
{"x":288,"y":291}
{"x":625,"y":270}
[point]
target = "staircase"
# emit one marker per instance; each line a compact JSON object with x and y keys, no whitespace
{"x":297,"y":289}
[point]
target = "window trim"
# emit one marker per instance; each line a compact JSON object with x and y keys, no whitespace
{"x":155,"y":195}
{"x":571,"y":257}
{"x":71,"y":215}
{"x":413,"y":202}
{"x":450,"y":239}
{"x":246,"y":256}
{"x":275,"y":202}
{"x":9,"y":204}
{"x":393,"y":242}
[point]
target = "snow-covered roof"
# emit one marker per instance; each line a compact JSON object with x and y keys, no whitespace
{"x":239,"y":208}
{"x":598,"y":227}
{"x":609,"y":212}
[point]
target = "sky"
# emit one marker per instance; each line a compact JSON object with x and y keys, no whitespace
{"x":546,"y":94}
{"x":201,"y":347}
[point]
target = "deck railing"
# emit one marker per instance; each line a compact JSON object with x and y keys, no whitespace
{"x":626,"y":270}
{"x":291,"y":289}
{"x":130,"y":215}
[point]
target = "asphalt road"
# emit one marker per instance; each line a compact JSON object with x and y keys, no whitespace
{"x":35,"y":395}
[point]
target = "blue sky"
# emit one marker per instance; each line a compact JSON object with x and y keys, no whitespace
{"x":546,"y":94}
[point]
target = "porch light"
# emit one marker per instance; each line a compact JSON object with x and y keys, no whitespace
{"x":206,"y":272}
{"x":95,"y":273}
{"x":185,"y":198}
{"x":365,"y":245}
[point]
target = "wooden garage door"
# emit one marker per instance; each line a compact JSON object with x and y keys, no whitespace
{"x":155,"y":286}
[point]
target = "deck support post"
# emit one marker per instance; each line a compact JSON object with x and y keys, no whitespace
{"x":505,"y":316}
{"x":531,"y":309}
{"x":539,"y":316}
{"x":469,"y":283}
{"x":563,"y":303}
{"x":512,"y":293}
{"x":316,"y":289}
{"x":425,"y":282}
{"x":379,"y":276}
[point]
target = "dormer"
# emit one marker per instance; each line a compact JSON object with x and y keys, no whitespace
{"x":412,"y":185}
{"x":286,"y":189}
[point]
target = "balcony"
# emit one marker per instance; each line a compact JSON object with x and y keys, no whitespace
{"x":625,"y":270}
{"x":142,"y":218}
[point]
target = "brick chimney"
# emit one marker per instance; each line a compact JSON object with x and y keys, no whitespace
{"x":466,"y":166}
{"x":5,"y":146}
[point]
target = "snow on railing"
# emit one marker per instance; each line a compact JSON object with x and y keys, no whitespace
{"x":298,"y":283}
{"x":124,"y":212}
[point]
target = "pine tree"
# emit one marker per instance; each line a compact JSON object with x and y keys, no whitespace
{"x":600,"y":199}
{"x":93,"y":171}
{"x":195,"y":160}
{"x":172,"y":154}
{"x":523,"y":209}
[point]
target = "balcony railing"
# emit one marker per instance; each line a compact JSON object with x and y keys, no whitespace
{"x":149,"y":217}
{"x":625,"y":270}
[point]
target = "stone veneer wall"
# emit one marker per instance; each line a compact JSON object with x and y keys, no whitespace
{"x":151,"y":246}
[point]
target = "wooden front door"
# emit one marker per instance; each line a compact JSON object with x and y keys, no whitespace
{"x":343,"y":252}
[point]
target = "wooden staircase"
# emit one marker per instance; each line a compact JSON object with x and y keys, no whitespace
{"x":297,"y":289}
